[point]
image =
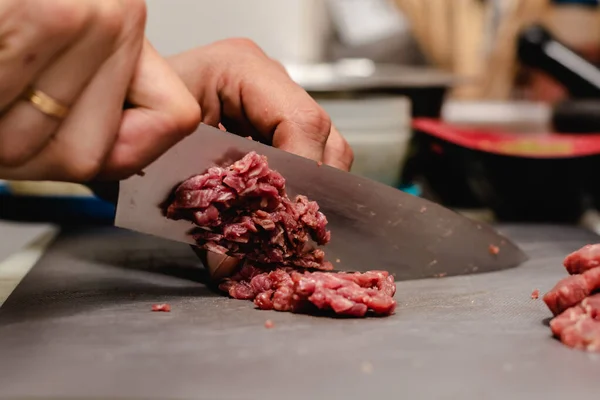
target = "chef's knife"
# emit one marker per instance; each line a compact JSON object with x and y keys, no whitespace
{"x":373,"y":226}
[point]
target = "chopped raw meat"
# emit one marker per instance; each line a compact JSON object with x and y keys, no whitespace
{"x":284,"y":289}
{"x":269,"y":324}
{"x":579,"y":326}
{"x":584,"y":259}
{"x":571,"y":290}
{"x":535,"y":294}
{"x":494,"y":250}
{"x":161,"y":307}
{"x":244,"y":211}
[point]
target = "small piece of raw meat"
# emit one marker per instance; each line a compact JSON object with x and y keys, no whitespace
{"x":535,"y":294}
{"x":571,"y":290}
{"x":494,"y":250}
{"x":161,"y":307}
{"x":244,"y":211}
{"x":284,"y":289}
{"x":579,"y":326}
{"x":584,"y":259}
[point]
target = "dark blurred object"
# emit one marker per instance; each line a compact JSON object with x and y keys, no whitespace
{"x":538,"y":48}
{"x":576,"y":116}
{"x":590,"y":3}
{"x":441,"y":174}
{"x":535,"y":177}
{"x":70,"y":210}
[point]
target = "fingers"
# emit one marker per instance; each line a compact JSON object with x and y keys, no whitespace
{"x":77,"y":150}
{"x":254,"y":94}
{"x":338,"y":152}
{"x":304,"y":132}
{"x":279,"y":110}
{"x":202,"y":84}
{"x":25,"y":130}
{"x":32,"y":34}
{"x":163,"y":112}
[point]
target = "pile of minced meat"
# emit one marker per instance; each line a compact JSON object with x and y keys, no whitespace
{"x":243,"y":211}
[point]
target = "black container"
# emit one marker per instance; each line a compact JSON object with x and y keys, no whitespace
{"x":522,"y":177}
{"x":520,"y":189}
{"x":439,"y":167}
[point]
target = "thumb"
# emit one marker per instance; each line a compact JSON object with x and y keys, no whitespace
{"x":163,"y":112}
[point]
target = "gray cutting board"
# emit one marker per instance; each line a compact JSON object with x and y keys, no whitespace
{"x":80,"y":325}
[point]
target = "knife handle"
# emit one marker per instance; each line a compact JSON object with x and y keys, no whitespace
{"x":538,"y":48}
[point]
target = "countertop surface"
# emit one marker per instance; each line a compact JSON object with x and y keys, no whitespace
{"x":21,"y":246}
{"x":79,"y":326}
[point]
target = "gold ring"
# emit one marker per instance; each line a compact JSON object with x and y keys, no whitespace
{"x":47,"y":104}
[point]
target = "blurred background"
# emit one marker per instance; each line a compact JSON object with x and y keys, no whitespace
{"x":489,"y":107}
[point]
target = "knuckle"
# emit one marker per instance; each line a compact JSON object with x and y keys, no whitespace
{"x":110,"y":19}
{"x":82,"y":168}
{"x":189,"y":118}
{"x":243,"y":43}
{"x":183,"y":120}
{"x":280,"y":66}
{"x":137,"y":13}
{"x":62,"y":17}
{"x":317,"y":123}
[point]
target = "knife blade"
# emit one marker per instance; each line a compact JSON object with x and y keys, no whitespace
{"x":373,"y":226}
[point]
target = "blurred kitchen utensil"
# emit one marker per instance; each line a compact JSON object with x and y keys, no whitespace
{"x":538,"y":48}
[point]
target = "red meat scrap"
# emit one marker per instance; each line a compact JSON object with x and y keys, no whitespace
{"x":285,"y":289}
{"x":244,"y":211}
{"x":494,"y":250}
{"x":575,"y":301}
{"x":579,"y":326}
{"x":535,"y":294}
{"x":584,"y":259}
{"x":161,"y":307}
{"x":569,"y":291}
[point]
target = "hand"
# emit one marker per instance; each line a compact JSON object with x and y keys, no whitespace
{"x":91,"y":57}
{"x":237,"y":84}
